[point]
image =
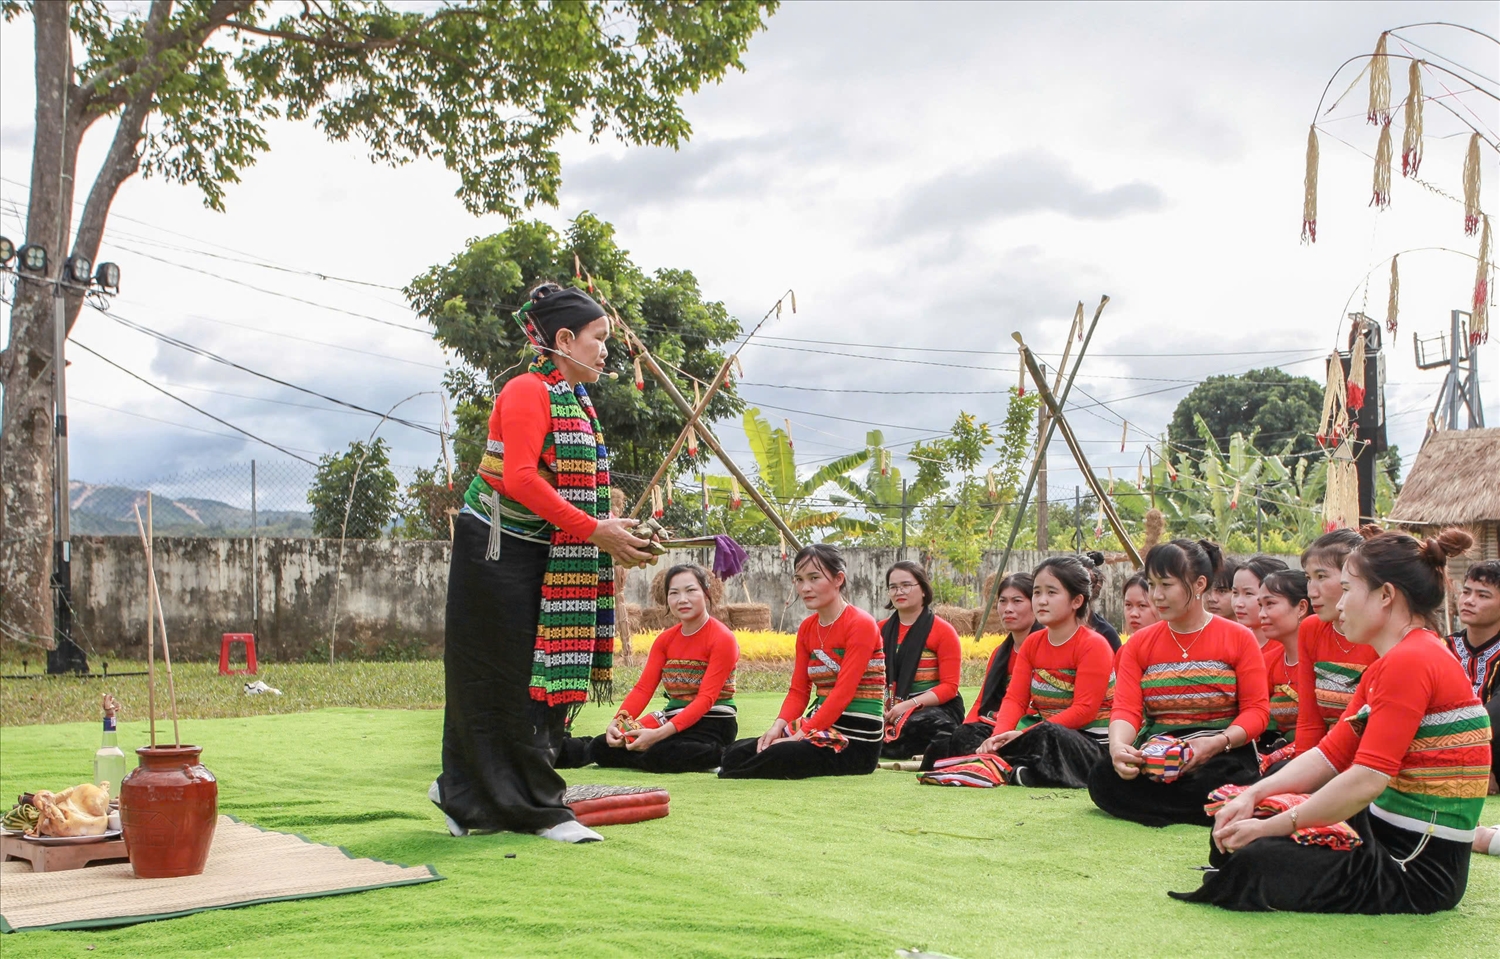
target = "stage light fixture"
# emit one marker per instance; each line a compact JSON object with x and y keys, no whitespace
{"x":7,"y":251}
{"x":80,"y":269}
{"x":33,"y":258}
{"x":107,"y":275}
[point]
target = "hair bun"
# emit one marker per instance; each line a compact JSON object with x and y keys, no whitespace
{"x":1370,"y":531}
{"x":1215,"y":553}
{"x":1448,"y":543}
{"x":1095,"y":557}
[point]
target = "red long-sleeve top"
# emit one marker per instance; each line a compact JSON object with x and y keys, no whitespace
{"x":858,"y":685}
{"x":1086,"y":659}
{"x":698,"y":671}
{"x":1219,"y":681}
{"x":989,"y":665}
{"x":1329,"y":668}
{"x":1282,"y":684}
{"x":942,"y":659}
{"x":522,"y":421}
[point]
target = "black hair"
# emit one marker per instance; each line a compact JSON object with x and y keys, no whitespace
{"x":1417,"y":569}
{"x":823,"y":556}
{"x":1487,"y":572}
{"x":1020,"y":582}
{"x":1290,"y":584}
{"x":1185,"y":560}
{"x":1096,"y":573}
{"x":1137,"y":580}
{"x":1073,"y":574}
{"x":699,"y":573}
{"x":1223,"y":577}
{"x":1262,"y":566}
{"x":1332,"y":548}
{"x":921,"y":577}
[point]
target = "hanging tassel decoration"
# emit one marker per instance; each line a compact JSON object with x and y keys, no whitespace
{"x":1471,"y":187}
{"x":734,"y":493}
{"x":703,"y":478}
{"x":1140,"y":476}
{"x":989,"y":484}
{"x":794,"y":300}
{"x":1357,"y":368}
{"x":577,"y":268}
{"x":656,"y":508}
{"x":1124,"y":431}
{"x":1392,"y":303}
{"x":1310,"y":189}
{"x":1479,"y":319}
{"x":789,"y":444}
{"x":692,"y":437}
{"x":1234,"y":498}
{"x":1381,"y":195}
{"x":1329,"y":432}
{"x":670,"y":486}
{"x":739,"y":369}
{"x":640,"y":378}
{"x":1380,"y":85}
{"x":1099,"y":523}
{"x":1411,"y":136}
{"x":1021,"y":385}
{"x":781,"y":542}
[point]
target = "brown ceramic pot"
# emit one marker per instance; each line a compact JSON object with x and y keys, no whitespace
{"x":169,"y":805}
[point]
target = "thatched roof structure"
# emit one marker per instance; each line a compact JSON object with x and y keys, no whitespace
{"x":1456,"y":479}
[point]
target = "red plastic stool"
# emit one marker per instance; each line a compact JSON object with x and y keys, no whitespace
{"x":248,"y":639}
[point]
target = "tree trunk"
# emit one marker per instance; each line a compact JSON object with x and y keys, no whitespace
{"x":27,"y":449}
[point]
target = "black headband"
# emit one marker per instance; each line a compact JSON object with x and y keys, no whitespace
{"x":566,"y":309}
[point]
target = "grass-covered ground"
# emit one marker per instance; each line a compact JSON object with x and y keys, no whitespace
{"x":839,"y":867}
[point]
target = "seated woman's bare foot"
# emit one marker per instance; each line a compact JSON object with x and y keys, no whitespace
{"x":1487,"y":840}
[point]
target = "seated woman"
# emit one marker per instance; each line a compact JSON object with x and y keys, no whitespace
{"x":1190,"y":699}
{"x":1329,"y":666}
{"x":1097,"y":622}
{"x":1219,"y":597}
{"x":1244,"y":597}
{"x":1283,"y":606}
{"x":840,"y":655}
{"x":1016,"y":616}
{"x":1405,"y":768}
{"x":1052,"y":728}
{"x":694,"y":663}
{"x":922,"y":661}
{"x":1139,"y":613}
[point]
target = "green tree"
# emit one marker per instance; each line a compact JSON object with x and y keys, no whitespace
{"x":428,"y":503}
{"x":489,"y":86}
{"x":1270,"y":403}
{"x":357,"y":483}
{"x":469,"y":301}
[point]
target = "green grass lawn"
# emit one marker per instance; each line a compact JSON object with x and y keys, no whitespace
{"x":836,"y":867}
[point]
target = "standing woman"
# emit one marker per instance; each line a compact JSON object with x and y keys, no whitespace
{"x":922,"y":662}
{"x":1052,"y":728}
{"x":530,"y":628}
{"x":839,"y":654}
{"x":1019,"y":621}
{"x":1244,"y":597}
{"x":1329,"y":664}
{"x":694,"y":662}
{"x":1194,"y":677}
{"x":1405,"y":768}
{"x":1139,"y":613}
{"x":1283,"y":606}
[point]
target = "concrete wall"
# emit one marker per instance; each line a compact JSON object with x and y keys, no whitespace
{"x":393,"y":591}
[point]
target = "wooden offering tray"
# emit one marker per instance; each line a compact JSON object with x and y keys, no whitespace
{"x":54,"y":858}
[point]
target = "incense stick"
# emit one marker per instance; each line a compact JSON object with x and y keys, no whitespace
{"x":166,"y":653}
{"x":150,"y":622}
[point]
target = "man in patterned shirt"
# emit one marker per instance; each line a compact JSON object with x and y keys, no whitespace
{"x":1477,"y":647}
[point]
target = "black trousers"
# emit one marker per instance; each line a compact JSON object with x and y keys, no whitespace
{"x":923,"y":725}
{"x":696,"y":749}
{"x":499,"y":745}
{"x":1055,"y":755}
{"x":798,"y":760}
{"x":1493,"y":708}
{"x":1276,"y":874}
{"x":1153,"y":803}
{"x":963,"y":740}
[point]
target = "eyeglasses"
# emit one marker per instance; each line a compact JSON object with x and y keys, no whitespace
{"x":901,"y":587}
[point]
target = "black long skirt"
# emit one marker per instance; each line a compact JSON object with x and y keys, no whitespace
{"x":1276,"y":874}
{"x":799,"y":760}
{"x":923,"y":725}
{"x":1493,"y":708}
{"x":964,"y":740}
{"x":1055,"y":755}
{"x":1153,"y":803}
{"x":699,"y":748}
{"x":499,"y":745}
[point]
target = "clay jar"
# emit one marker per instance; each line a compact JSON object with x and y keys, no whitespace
{"x":169,"y":805}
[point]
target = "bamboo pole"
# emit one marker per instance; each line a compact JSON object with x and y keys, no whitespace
{"x":166,"y":653}
{"x":150,"y":622}
{"x":994,"y":593}
{"x":692,"y":423}
{"x":1078,"y":455}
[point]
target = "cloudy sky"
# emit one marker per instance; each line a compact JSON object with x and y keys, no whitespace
{"x":928,"y":178}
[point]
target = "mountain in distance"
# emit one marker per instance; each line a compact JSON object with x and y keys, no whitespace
{"x":110,"y":511}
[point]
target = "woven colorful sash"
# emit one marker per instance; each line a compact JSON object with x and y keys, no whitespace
{"x":1272,"y":758}
{"x":1165,"y":756}
{"x":827,"y":738}
{"x":980,"y":770}
{"x":575,"y":639}
{"x":1339,"y":835}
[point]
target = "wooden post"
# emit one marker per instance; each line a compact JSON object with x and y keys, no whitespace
{"x":666,"y":463}
{"x":150,"y":621}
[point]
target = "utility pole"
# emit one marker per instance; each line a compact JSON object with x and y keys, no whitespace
{"x":1368,"y":422}
{"x":903,"y":518}
{"x":1459,"y":390}
{"x":254,"y":555}
{"x":66,"y":656}
{"x":1078,"y":540}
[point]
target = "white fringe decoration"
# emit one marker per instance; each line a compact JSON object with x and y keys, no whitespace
{"x":1381,"y":196}
{"x":1380,"y":85}
{"x":1310,"y":189}
{"x":1471,"y":187}
{"x":1479,"y":321}
{"x":1411,"y":136}
{"x":1392,"y":303}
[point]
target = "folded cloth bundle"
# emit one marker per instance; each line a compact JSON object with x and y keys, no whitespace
{"x":829,"y":738}
{"x":1272,"y":758}
{"x":1339,"y":835}
{"x":981,"y":770}
{"x":893,"y":730}
{"x":1165,"y":756}
{"x":627,"y":723}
